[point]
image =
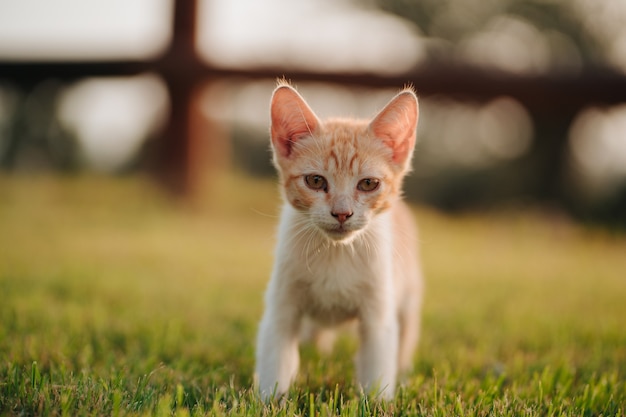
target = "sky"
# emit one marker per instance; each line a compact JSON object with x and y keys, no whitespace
{"x":320,"y":34}
{"x":62,"y":29}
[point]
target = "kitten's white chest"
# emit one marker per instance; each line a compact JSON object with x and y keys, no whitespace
{"x":334,"y":285}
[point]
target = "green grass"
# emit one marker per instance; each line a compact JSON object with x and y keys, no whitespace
{"x":117,"y":301}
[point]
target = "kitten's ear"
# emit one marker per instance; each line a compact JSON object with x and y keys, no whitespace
{"x":291,"y":119}
{"x":396,"y":124}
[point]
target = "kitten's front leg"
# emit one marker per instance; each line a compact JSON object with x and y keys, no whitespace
{"x":277,"y":357}
{"x":377,"y":357}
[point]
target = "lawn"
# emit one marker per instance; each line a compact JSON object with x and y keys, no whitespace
{"x":116,"y":300}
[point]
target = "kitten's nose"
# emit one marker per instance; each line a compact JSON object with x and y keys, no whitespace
{"x":342,"y":217}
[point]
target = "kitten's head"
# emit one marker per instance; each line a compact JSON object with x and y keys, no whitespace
{"x":341,"y":173}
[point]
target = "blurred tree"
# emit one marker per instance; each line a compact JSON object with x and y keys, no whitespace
{"x":448,"y":23}
{"x":33,"y":136}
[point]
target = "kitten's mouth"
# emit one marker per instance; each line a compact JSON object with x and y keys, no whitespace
{"x":339,"y":232}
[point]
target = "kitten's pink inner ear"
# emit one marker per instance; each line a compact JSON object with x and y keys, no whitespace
{"x":291,"y":119}
{"x":395,"y":125}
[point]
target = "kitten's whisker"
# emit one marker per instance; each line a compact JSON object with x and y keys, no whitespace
{"x":272,"y":216}
{"x":307,"y":251}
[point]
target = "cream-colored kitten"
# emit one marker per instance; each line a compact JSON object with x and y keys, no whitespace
{"x":346,"y":242}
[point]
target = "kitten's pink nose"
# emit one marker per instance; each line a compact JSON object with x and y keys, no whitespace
{"x":342,"y":217}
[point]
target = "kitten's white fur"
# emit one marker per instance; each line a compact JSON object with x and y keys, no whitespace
{"x":372,"y":275}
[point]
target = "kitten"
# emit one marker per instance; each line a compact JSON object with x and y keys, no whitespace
{"x":346,"y":242}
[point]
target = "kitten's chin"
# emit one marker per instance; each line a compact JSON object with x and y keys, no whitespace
{"x":340,"y":234}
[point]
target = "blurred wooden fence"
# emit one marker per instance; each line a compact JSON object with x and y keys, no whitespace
{"x":553,"y":101}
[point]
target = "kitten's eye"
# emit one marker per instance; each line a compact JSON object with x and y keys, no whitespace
{"x":368,"y":184}
{"x":316,"y":182}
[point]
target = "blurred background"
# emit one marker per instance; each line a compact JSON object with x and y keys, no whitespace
{"x":523,"y":102}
